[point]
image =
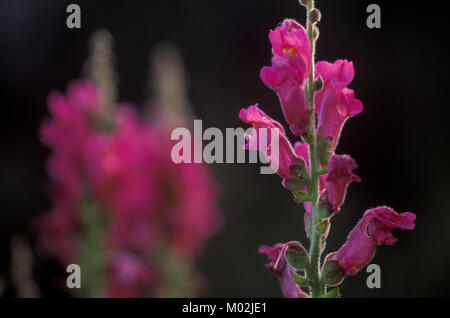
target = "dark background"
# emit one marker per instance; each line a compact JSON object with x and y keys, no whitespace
{"x":400,"y":140}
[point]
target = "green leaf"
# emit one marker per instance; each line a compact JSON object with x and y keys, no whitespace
{"x":300,"y":280}
{"x":334,"y":293}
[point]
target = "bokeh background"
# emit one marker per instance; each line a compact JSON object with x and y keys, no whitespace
{"x":400,"y":140}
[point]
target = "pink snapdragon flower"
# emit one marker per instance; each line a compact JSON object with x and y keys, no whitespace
{"x":287,"y":157}
{"x":335,"y":103}
{"x":375,"y":228}
{"x":280,"y":267}
{"x":339,"y":176}
{"x":288,"y":73}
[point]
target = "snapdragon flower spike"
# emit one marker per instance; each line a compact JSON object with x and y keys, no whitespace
{"x":335,"y":103}
{"x":375,"y":228}
{"x":340,"y":174}
{"x":288,"y":73}
{"x":287,"y":157}
{"x":280,"y":267}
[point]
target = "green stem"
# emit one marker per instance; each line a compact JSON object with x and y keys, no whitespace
{"x":310,"y":32}
{"x":315,"y":251}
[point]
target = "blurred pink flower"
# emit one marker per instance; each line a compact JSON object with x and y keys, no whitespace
{"x":150,"y":203}
{"x":123,"y":167}
{"x":193,"y":213}
{"x":128,"y":276}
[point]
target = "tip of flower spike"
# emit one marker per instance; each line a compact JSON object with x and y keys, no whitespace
{"x":304,"y":2}
{"x":314,"y":15}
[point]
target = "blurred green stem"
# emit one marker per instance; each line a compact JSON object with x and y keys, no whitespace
{"x":91,"y":255}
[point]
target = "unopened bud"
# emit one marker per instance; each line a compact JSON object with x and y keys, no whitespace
{"x":304,"y":2}
{"x":314,"y":15}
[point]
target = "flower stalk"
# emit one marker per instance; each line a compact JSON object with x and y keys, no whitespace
{"x":316,"y":103}
{"x":315,"y":252}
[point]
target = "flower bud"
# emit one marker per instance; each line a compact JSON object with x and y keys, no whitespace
{"x":304,"y":2}
{"x":332,"y":273}
{"x":296,"y":255}
{"x":314,"y":15}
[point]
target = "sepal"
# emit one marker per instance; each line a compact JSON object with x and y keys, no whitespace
{"x":334,"y":293}
{"x":296,"y":255}
{"x":332,"y":273}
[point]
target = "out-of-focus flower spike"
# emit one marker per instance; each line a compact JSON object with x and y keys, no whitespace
{"x":167,"y":83}
{"x":100,"y":68}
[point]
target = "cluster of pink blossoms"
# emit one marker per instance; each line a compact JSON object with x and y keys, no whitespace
{"x":333,"y":104}
{"x":150,"y":204}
